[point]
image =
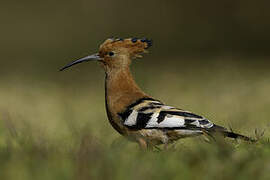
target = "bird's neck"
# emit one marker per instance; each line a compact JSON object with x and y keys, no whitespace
{"x":121,"y":89}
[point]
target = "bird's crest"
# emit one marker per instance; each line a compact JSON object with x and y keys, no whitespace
{"x":134,"y":46}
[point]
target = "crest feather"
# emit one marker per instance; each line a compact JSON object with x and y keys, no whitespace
{"x":134,"y":46}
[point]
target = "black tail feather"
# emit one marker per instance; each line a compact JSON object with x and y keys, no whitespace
{"x":237,"y":136}
{"x":226,"y":133}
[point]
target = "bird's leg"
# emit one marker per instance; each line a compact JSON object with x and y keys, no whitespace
{"x":166,"y":143}
{"x":142,"y":143}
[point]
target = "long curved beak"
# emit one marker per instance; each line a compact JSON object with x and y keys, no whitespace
{"x":92,"y":57}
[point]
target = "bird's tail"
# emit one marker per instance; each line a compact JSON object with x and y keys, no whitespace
{"x":238,"y":136}
{"x":230,"y":134}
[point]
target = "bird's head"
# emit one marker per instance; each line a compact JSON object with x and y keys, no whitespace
{"x":117,"y":53}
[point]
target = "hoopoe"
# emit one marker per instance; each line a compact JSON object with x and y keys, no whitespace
{"x":137,"y":115}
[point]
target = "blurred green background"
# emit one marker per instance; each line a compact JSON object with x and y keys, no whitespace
{"x":209,"y":57}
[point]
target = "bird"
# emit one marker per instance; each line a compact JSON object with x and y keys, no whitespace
{"x":135,"y":114}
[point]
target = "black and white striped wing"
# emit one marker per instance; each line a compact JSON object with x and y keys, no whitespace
{"x":148,"y":113}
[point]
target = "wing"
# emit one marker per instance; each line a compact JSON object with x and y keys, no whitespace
{"x":148,"y":113}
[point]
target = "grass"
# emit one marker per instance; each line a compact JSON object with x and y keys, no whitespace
{"x":50,"y":129}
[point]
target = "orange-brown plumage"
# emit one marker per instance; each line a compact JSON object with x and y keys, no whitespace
{"x":133,"y":113}
{"x":121,"y":89}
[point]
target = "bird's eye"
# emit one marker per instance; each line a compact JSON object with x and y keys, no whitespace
{"x":111,"y":53}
